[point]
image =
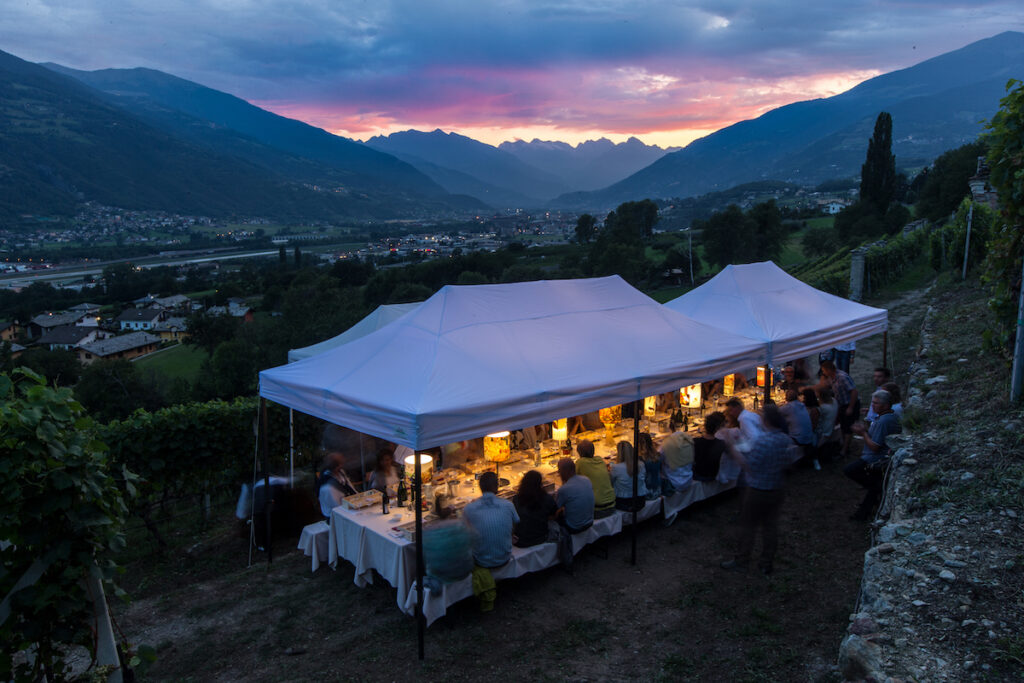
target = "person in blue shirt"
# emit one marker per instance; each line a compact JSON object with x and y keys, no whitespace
{"x":492,"y":520}
{"x":765,"y":466}
{"x":869,"y":469}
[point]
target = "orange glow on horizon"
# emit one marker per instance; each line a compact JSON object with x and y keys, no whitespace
{"x":679,"y":114}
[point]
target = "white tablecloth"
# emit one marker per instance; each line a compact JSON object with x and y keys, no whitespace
{"x":524,"y":561}
{"x":365,"y":539}
{"x":314,"y":542}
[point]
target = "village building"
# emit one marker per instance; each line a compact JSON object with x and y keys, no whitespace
{"x":139,"y":318}
{"x":126,"y":346}
{"x":41,"y":324}
{"x":69,"y":336}
{"x":172,"y":329}
{"x":9,"y":331}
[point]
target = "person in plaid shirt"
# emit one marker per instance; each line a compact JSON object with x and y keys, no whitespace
{"x":845,"y":392}
{"x":765,"y":466}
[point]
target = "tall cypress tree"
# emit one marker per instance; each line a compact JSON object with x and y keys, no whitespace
{"x":878,"y":174}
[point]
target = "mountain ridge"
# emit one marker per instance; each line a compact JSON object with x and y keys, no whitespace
{"x":756,"y":149}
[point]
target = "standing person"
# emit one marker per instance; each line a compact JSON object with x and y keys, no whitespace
{"x":622,"y":480}
{"x":766,"y":462}
{"x":492,"y":520}
{"x":749,"y":422}
{"x":536,"y":508}
{"x":845,"y":392}
{"x":596,"y":471}
{"x":844,"y":355}
{"x":334,"y":483}
{"x":869,"y":469}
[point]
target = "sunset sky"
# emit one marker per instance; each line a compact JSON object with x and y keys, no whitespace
{"x":666,"y":72}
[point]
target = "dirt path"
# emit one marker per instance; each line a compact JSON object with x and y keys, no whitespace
{"x":675,"y":616}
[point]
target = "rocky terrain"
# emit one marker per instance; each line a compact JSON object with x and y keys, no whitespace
{"x":943,"y":592}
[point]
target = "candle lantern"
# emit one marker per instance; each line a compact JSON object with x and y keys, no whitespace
{"x":496,"y":448}
{"x":609,"y":418}
{"x":689,"y":397}
{"x":650,"y":405}
{"x":426,"y":465}
{"x":729,"y":385}
{"x":560,"y":429}
{"x":761,"y":373}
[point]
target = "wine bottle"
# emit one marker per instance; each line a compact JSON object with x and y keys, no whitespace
{"x":384,"y":501}
{"x":402,"y":493}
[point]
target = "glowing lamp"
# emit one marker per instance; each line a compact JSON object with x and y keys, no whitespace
{"x":426,"y":465}
{"x":496,"y":447}
{"x":729,"y":385}
{"x":560,"y":429}
{"x":609,"y":418}
{"x":761,"y":372}
{"x":650,"y":405}
{"x":689,"y":397}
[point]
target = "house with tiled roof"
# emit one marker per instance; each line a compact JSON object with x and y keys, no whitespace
{"x":139,"y":318}
{"x":9,"y":330}
{"x":69,"y":336}
{"x":172,"y":329}
{"x":126,"y":346}
{"x":45,"y":322}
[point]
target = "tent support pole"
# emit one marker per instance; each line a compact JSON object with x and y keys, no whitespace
{"x":291,"y":448}
{"x":638,"y":407}
{"x":418,"y":495}
{"x":885,"y":349}
{"x":268,"y":500}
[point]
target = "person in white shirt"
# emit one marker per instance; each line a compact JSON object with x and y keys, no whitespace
{"x":749,"y":422}
{"x":334,"y":483}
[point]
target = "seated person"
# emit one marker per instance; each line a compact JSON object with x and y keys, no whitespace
{"x":622,"y":480}
{"x":798,"y":420}
{"x":651,"y":459}
{"x":897,"y":399}
{"x":536,"y":508}
{"x":789,"y":380}
{"x":575,"y":499}
{"x":869,"y":469}
{"x":596,"y":471}
{"x":384,"y":476}
{"x":676,"y":458}
{"x":334,"y":483}
{"x":708,"y":449}
{"x":447,"y":552}
{"x":492,"y":520}
{"x":879,"y":377}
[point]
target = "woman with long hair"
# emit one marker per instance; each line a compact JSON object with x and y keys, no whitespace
{"x":622,"y":474}
{"x":536,"y":508}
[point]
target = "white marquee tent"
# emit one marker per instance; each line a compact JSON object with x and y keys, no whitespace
{"x":477,"y":359}
{"x":381,"y":316}
{"x":793,"y":319}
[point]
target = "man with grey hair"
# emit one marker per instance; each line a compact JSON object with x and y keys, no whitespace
{"x":869,"y":469}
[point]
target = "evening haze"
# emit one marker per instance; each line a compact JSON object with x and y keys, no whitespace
{"x":666,"y":72}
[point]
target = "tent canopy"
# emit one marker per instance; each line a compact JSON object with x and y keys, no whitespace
{"x":762,"y":301}
{"x":477,"y":359}
{"x":381,"y":316}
